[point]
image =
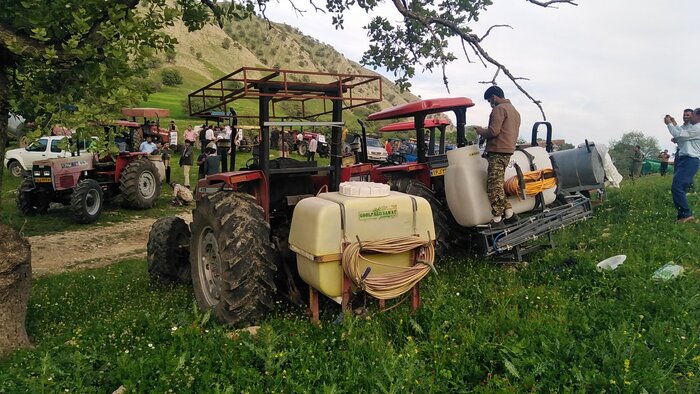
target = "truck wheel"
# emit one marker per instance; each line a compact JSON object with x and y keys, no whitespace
{"x":169,"y":251}
{"x":29,"y":201}
{"x":232,"y":258}
{"x":441,"y":219}
{"x":140,"y":184}
{"x":87,"y":201}
{"x":15,"y":168}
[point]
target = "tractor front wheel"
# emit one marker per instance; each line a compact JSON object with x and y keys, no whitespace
{"x":29,"y":201}
{"x":440,"y":215}
{"x":140,"y":184}
{"x":87,"y":201}
{"x":232,"y":258}
{"x":169,"y":251}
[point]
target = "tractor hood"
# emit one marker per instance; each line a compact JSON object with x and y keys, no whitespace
{"x":83,"y":162}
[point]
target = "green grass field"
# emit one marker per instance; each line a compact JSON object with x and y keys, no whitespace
{"x":552,"y":325}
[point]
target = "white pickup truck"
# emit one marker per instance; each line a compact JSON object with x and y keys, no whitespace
{"x":21,"y":159}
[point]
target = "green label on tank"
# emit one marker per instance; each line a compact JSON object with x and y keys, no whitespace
{"x":383,"y":212}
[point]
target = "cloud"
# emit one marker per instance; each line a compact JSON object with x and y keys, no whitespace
{"x":600,"y":69}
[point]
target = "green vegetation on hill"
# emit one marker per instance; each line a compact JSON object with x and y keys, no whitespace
{"x":204,"y":56}
{"x":553,"y":325}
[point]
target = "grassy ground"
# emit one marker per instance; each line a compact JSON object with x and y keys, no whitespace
{"x":553,"y":325}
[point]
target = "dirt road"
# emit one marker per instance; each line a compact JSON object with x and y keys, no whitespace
{"x":91,"y":248}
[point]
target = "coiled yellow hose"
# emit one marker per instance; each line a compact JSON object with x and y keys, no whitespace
{"x":535,"y":182}
{"x":393,"y":284}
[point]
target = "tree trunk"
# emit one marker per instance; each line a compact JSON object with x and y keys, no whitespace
{"x":15,"y":285}
{"x":4,"y":115}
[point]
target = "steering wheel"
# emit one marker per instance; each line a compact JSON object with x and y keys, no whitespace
{"x":396,"y":159}
{"x":252,"y":163}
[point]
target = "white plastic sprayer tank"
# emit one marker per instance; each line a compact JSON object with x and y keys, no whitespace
{"x":364,"y":210}
{"x":465,"y":183}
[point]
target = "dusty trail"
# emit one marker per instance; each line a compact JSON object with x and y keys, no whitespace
{"x":91,"y":248}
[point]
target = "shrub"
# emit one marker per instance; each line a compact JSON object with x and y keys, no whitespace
{"x":198,"y":55}
{"x":226,"y":44}
{"x":170,"y":56}
{"x":171,"y":77}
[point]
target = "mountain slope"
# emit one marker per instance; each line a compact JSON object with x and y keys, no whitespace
{"x":206,"y":55}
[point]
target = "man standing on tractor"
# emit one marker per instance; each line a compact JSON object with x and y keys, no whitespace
{"x":501,"y":137}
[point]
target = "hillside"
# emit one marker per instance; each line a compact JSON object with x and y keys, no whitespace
{"x":212,"y":52}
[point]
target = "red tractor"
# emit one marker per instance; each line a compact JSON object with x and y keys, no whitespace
{"x":149,"y":126}
{"x":84,"y":182}
{"x":459,"y":203}
{"x":235,"y":252}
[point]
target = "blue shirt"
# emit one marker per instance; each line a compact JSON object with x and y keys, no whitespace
{"x":688,"y":139}
{"x":147,"y":147}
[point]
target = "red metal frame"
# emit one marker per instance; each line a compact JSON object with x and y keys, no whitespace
{"x":410,"y":125}
{"x":423,"y":107}
{"x":146,"y":112}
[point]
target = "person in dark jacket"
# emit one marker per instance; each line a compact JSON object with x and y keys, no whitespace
{"x":186,"y":161}
{"x":501,"y":138}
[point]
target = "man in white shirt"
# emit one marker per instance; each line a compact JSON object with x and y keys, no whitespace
{"x":147,"y":146}
{"x":300,"y":141}
{"x":687,"y":161}
{"x":313,"y":144}
{"x":209,"y":135}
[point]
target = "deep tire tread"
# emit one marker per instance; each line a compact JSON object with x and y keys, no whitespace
{"x":247,"y":257}
{"x":168,"y":261}
{"x":78,"y":201}
{"x":129,"y":186}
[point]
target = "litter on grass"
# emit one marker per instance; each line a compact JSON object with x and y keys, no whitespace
{"x":668,"y":271}
{"x":611,"y":263}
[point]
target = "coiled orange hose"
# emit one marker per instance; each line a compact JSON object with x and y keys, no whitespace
{"x":535,"y":182}
{"x":390,"y":285}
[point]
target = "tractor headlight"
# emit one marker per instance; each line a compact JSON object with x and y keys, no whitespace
{"x":37,"y":173}
{"x":47,"y":173}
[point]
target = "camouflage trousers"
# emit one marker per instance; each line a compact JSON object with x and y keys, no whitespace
{"x":494,"y":184}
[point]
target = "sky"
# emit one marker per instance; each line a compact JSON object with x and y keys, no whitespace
{"x":600,"y":69}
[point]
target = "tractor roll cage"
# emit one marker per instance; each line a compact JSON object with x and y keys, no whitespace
{"x":422,"y":108}
{"x":280,"y":85}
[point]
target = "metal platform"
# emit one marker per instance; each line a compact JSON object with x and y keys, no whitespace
{"x":516,"y":240}
{"x":299,"y":87}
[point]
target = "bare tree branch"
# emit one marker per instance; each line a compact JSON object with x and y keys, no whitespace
{"x":316,"y":8}
{"x":548,"y":3}
{"x":491,"y":28}
{"x":474,"y":41}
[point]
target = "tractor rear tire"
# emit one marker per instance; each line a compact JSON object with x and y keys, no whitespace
{"x":232,"y":258}
{"x":87,"y":201}
{"x":169,"y":251}
{"x":443,"y":239}
{"x":140,"y":184}
{"x":29,"y":201}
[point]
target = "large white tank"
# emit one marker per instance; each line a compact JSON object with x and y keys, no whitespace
{"x":322,"y":224}
{"x":465,"y":183}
